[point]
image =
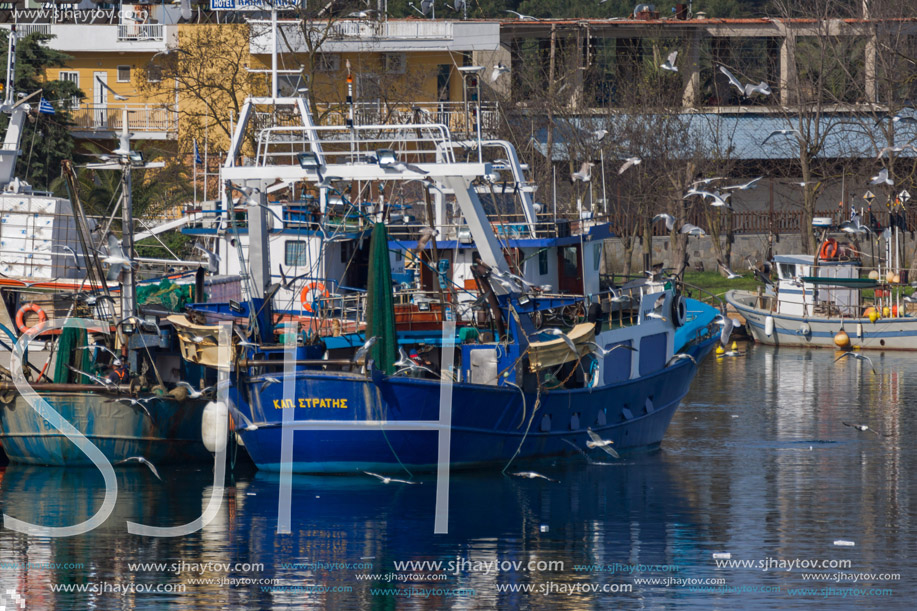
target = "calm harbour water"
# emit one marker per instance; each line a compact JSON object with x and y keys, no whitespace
{"x":757,"y":463}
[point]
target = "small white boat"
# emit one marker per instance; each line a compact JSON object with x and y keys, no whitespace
{"x":811,"y":304}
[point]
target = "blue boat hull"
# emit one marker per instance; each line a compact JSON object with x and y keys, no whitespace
{"x":118,"y":429}
{"x":489,"y":424}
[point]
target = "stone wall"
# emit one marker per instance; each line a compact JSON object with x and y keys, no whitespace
{"x":700,"y":250}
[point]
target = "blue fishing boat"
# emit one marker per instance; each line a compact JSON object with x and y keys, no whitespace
{"x":456,"y":351}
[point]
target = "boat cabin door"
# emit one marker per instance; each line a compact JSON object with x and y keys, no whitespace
{"x":570,"y":269}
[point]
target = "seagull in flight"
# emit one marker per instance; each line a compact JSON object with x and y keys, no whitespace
{"x":728,"y":325}
{"x":668,"y":218}
{"x":679,"y":357}
{"x":360,"y":355}
{"x":267,"y":382}
{"x":102,"y":381}
{"x":389,"y":480}
{"x":853,"y":227}
{"x":193,"y":392}
{"x":705,"y":181}
{"x":142,"y":461}
{"x":140,"y":403}
{"x":426,"y":234}
{"x":498,"y":70}
{"x":533,"y":475}
{"x":894,"y":149}
{"x":718,"y":198}
{"x":864,"y":428}
{"x":859,"y":357}
{"x":600,"y":134}
{"x":585,"y":172}
{"x":628,"y":163}
{"x":669,"y":63}
{"x":882,"y":178}
{"x":213,"y":259}
{"x":751,"y":184}
{"x":602,"y":352}
{"x":897,"y":119}
{"x":522,"y":17}
{"x":597,"y":442}
{"x":558,"y":333}
{"x":690,"y":229}
{"x":747,"y":90}
{"x":780,"y":132}
{"x":730,"y":275}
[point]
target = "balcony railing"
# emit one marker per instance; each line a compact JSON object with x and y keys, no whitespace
{"x":141,"y":118}
{"x":141,"y":31}
{"x":451,"y":114}
{"x":24,"y":29}
{"x":438,"y":30}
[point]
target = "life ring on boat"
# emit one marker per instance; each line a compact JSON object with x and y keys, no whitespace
{"x":306,"y":297}
{"x":828,"y":250}
{"x":29,"y":307}
{"x":679,"y":310}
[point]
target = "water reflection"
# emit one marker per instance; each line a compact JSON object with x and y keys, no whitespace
{"x":757,"y":463}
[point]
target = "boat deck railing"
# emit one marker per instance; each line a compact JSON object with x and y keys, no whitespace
{"x":337,"y":144}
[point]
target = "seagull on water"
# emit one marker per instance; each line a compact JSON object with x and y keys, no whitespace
{"x":864,"y":428}
{"x":389,"y":480}
{"x":859,"y":357}
{"x":669,"y":63}
{"x":597,"y":442}
{"x":142,"y":461}
{"x":628,"y":163}
{"x":533,"y":475}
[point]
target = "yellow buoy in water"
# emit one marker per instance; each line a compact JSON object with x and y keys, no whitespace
{"x":842,"y":340}
{"x":720,"y":350}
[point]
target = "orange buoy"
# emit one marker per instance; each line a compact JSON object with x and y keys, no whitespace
{"x":842,"y":340}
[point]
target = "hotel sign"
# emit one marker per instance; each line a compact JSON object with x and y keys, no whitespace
{"x":253,"y":5}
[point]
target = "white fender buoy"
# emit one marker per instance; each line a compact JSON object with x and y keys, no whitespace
{"x":860,"y":330}
{"x":768,"y":325}
{"x":215,"y":426}
{"x":805,"y":329}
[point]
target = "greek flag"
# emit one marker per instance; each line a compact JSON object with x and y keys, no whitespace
{"x":45,"y":108}
{"x":197,"y":154}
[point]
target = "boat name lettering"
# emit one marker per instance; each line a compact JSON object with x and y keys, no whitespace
{"x":310,"y":403}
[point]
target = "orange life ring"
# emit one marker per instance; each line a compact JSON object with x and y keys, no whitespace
{"x":828,"y":249}
{"x":29,"y":307}
{"x":305,"y":297}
